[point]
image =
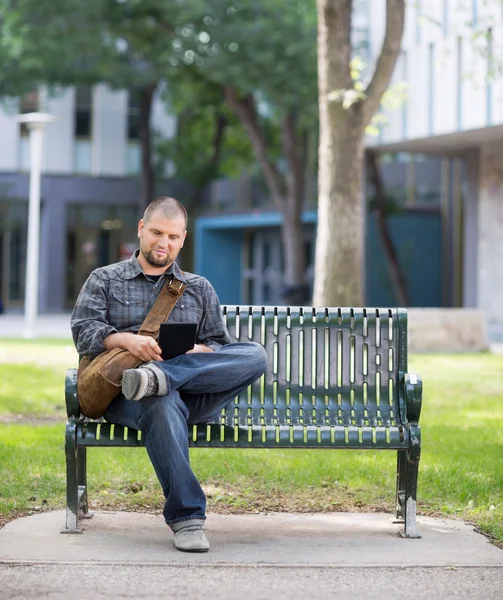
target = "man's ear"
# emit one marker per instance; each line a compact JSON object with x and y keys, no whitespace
{"x":184,"y":236}
{"x":141,"y":225}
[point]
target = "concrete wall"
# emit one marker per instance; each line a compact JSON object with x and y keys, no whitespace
{"x":447,"y":330}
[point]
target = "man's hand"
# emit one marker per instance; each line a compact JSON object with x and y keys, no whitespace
{"x":200,"y":348}
{"x":143,"y":347}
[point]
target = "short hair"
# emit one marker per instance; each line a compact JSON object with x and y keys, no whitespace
{"x":170,"y":208}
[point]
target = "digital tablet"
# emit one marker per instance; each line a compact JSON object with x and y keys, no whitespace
{"x":176,"y":338}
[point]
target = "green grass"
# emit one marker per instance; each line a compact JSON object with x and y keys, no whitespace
{"x":461,"y":470}
{"x":32,"y":390}
{"x":41,"y":351}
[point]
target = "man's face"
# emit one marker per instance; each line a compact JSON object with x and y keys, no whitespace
{"x":161,"y":239}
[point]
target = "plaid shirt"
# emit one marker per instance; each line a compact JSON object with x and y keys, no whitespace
{"x":118,"y":297}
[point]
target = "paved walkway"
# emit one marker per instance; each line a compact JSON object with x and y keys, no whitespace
{"x":54,"y":326}
{"x":278,"y":556}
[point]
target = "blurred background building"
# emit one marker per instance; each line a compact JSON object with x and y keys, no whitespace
{"x":442,"y":152}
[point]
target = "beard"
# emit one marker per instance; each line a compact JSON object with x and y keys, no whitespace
{"x":156,"y":262}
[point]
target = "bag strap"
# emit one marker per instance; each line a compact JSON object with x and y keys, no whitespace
{"x":162,"y":307}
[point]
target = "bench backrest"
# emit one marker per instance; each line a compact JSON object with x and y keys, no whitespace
{"x":327,"y":367}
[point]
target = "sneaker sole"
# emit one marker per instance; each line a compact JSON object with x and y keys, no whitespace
{"x":131,"y":384}
{"x":192,"y":549}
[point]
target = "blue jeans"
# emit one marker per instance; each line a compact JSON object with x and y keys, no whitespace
{"x":199,"y":385}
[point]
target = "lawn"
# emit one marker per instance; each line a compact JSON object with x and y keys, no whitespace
{"x":461,"y":470}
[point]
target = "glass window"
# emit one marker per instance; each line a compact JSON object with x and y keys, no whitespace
{"x":133,"y":116}
{"x":13,"y":230}
{"x":28,"y":103}
{"x":97,"y":235}
{"x":83,"y":129}
{"x":83,"y":112}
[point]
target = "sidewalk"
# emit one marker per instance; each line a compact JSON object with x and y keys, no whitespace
{"x":264,"y":556}
{"x":53,"y":326}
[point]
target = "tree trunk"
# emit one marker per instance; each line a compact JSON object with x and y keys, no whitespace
{"x":147,"y":172}
{"x":397,"y":276}
{"x":340,"y":236}
{"x":344,"y":114}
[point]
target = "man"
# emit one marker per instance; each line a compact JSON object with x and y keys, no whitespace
{"x":162,"y":397}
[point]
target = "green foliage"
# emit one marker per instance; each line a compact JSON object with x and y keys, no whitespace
{"x":262,"y":47}
{"x":46,"y":43}
{"x":393,"y":98}
{"x":210,"y":141}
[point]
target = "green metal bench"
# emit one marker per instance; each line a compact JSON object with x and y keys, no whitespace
{"x":337,"y":378}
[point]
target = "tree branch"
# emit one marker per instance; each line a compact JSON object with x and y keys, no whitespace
{"x":291,"y":146}
{"x":246,"y":111}
{"x":395,"y":19}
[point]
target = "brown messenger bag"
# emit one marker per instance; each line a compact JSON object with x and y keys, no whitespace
{"x":99,"y":379}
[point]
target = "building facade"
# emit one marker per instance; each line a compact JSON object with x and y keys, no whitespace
{"x":451,"y":61}
{"x":90,"y":190}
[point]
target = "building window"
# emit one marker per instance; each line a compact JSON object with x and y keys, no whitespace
{"x":83,"y":129}
{"x":405,"y":114}
{"x":459,"y":84}
{"x":28,"y":103}
{"x":83,"y":108}
{"x":489,"y":78}
{"x":133,"y":116}
{"x":431,"y":89}
{"x":446,"y":17}
{"x":133,"y":133}
{"x":419,"y":26}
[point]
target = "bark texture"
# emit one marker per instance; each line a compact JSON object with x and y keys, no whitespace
{"x":339,"y":268}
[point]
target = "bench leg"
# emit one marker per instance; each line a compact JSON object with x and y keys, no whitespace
{"x":407,"y":473}
{"x":410,"y":529}
{"x":84,"y":512}
{"x":72,"y":486}
{"x":401,"y":479}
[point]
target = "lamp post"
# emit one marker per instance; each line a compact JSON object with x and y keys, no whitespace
{"x":36,"y":123}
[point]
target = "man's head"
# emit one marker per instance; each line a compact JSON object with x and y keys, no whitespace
{"x":161,"y":233}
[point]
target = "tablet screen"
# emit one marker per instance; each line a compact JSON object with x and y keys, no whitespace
{"x":176,"y":338}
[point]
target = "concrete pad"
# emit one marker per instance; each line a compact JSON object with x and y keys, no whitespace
{"x":276,"y":539}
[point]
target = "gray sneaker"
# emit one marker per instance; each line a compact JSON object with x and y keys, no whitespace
{"x":191,"y":539}
{"x":139,"y":383}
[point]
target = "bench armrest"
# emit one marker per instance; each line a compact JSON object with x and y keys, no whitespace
{"x":71,"y":398}
{"x":413,"y":396}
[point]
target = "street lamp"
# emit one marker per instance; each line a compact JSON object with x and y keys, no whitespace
{"x":36,"y":123}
